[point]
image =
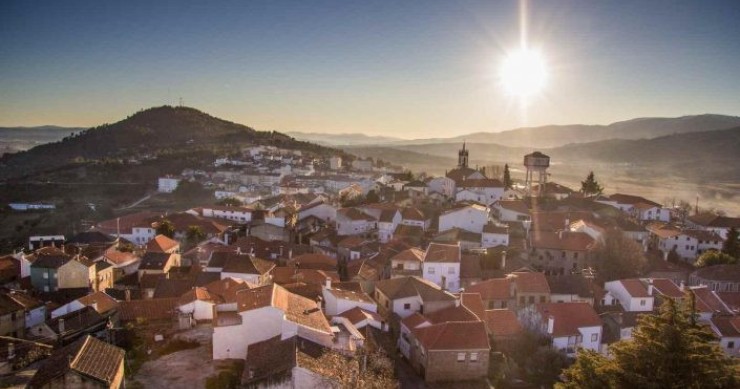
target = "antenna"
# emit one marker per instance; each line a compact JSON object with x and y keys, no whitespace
{"x":181,"y":101}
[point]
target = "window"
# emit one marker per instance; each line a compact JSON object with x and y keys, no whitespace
{"x":730,"y":345}
{"x":594,"y":337}
{"x":473,"y":357}
{"x":642,"y":303}
{"x":461,"y":357}
{"x":407,"y":306}
{"x":46,"y":275}
{"x":543,"y":299}
{"x":531,"y":299}
{"x":431,"y":270}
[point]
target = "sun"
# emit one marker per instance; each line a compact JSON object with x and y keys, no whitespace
{"x":523,"y":73}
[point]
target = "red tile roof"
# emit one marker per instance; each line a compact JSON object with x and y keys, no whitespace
{"x":667,"y":288}
{"x":635,"y":287}
{"x":502,"y":322}
{"x":453,"y":336}
{"x":531,"y":282}
{"x":438,"y":252}
{"x":492,"y":289}
{"x":569,"y":317}
{"x":562,"y":240}
{"x":161,"y":244}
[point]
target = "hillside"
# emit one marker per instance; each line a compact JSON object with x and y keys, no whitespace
{"x":560,"y":135}
{"x":149,"y":134}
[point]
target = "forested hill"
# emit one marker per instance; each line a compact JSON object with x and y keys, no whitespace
{"x":149,"y":133}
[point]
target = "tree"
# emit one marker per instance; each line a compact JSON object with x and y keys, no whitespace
{"x":667,"y":350}
{"x":194,"y":234}
{"x":731,"y":246}
{"x":713,"y":257}
{"x":616,"y":257}
{"x":372,"y":197}
{"x":166,"y":228}
{"x":507,"y":177}
{"x":230,"y":202}
{"x":591,"y":186}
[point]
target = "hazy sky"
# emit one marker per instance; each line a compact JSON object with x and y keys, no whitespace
{"x":400,"y":68}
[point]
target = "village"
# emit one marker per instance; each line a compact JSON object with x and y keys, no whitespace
{"x":309,"y":273}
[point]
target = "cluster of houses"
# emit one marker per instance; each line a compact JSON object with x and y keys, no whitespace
{"x":449,"y":268}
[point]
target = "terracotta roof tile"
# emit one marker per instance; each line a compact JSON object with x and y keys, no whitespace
{"x":100,"y":301}
{"x":91,"y":357}
{"x":502,"y":322}
{"x":569,"y":317}
{"x":437,"y":252}
{"x":453,"y":336}
{"x":492,"y":289}
{"x":161,"y":244}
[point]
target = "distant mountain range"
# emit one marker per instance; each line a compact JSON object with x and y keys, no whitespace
{"x":161,"y":131}
{"x":342,"y":139}
{"x":14,"y":139}
{"x":552,"y":135}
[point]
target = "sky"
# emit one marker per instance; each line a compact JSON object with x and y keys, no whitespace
{"x":409,"y":69}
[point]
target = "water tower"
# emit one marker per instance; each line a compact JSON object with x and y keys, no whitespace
{"x":536,"y":163}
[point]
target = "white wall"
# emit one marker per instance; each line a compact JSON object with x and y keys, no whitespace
{"x":434,"y":271}
{"x":201,"y":310}
{"x":398,"y":306}
{"x":493,"y":240}
{"x":257,"y":325}
{"x":468,"y":218}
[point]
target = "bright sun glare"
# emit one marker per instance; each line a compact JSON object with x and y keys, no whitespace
{"x":523,"y":73}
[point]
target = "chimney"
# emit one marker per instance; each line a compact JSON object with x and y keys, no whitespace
{"x":512,"y":289}
{"x":127,"y":293}
{"x":682,"y":286}
{"x":61,"y":326}
{"x":327,"y":283}
{"x":560,"y":234}
{"x":503,"y":260}
{"x":550,"y":324}
{"x":11,"y":350}
{"x":567,"y":222}
{"x":650,"y":286}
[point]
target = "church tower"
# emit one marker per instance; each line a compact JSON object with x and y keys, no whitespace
{"x":462,"y":157}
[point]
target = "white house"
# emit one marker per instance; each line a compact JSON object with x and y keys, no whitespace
{"x":337,"y":300}
{"x":470,"y":217}
{"x":442,"y":265}
{"x":351,"y":221}
{"x":443,"y":185}
{"x":407,"y":263}
{"x":101,"y":302}
{"x":320,"y":210}
{"x":719,"y":224}
{"x":413,"y":216}
{"x":635,"y":295}
{"x":406,"y":295}
{"x":387,"y":223}
{"x":485,"y":190}
{"x":511,"y":211}
{"x":572,"y":326}
{"x":237,"y":214}
{"x":494,"y":235}
{"x":247,"y":268}
{"x":263,"y":313}
{"x":200,"y":301}
{"x":727,"y":329}
{"x":650,"y":212}
{"x":335,"y":163}
{"x":167,"y":184}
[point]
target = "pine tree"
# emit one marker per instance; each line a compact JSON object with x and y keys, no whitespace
{"x":507,"y":177}
{"x":667,"y":350}
{"x":166,"y":228}
{"x":591,"y":186}
{"x":731,"y":247}
{"x":616,"y":256}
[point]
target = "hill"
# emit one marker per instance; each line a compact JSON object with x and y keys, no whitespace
{"x":560,"y":135}
{"x":161,"y":132}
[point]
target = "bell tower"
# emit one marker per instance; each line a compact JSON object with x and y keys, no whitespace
{"x":462,"y":157}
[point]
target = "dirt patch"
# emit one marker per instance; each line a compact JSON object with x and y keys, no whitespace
{"x":181,"y":369}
